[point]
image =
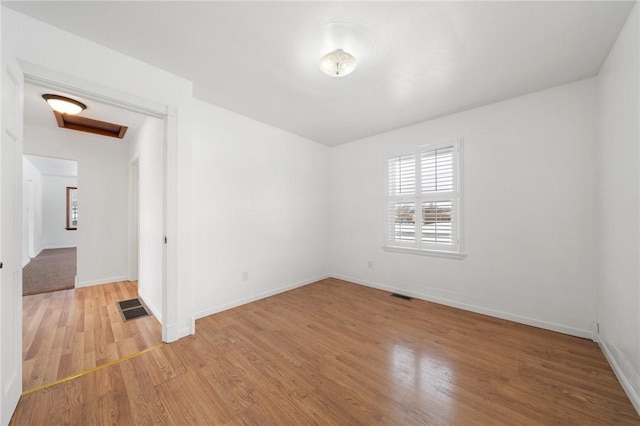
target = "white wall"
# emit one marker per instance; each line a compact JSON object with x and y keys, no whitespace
{"x":54,"y":212}
{"x":146,"y":149}
{"x":529,"y":211}
{"x":103,"y":188}
{"x":31,"y":176}
{"x":619,"y":213}
{"x":260,"y":206}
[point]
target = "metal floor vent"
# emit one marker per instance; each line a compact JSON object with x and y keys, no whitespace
{"x":401,"y":296}
{"x":132,"y":309}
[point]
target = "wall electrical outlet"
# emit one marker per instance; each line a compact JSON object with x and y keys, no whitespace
{"x":370,"y":264}
{"x":245,"y":276}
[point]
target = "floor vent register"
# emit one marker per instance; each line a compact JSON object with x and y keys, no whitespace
{"x":132,"y":309}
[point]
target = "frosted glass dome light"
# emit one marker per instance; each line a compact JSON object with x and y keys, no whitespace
{"x":63,"y":104}
{"x":338,"y":63}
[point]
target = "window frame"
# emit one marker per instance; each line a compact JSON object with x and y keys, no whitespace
{"x":417,"y":198}
{"x":72,"y":208}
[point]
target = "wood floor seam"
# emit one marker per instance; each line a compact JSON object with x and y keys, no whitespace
{"x":92,"y":370}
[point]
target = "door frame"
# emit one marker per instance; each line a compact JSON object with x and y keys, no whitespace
{"x":11,"y":192}
{"x":134,"y":219}
{"x":31,"y":224}
{"x":44,"y":77}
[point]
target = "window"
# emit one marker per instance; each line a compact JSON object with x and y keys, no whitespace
{"x":423,"y":202}
{"x":72,"y":208}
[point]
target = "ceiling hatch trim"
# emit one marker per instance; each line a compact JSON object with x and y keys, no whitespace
{"x":89,"y":125}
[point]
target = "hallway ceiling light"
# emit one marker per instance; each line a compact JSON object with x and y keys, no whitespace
{"x":338,"y":63}
{"x":63,"y":104}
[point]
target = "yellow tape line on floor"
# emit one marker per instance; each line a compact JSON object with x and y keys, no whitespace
{"x":99,"y":367}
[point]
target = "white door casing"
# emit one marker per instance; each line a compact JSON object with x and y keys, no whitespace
{"x":10,"y":236}
{"x":31,"y":217}
{"x":171,"y":319}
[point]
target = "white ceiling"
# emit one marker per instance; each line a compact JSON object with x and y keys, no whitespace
{"x":54,"y":166}
{"x":38,"y":113}
{"x":417,"y":60}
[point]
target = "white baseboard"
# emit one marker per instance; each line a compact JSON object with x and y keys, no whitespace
{"x":28,"y":259}
{"x":153,"y":308}
{"x":100,"y":281}
{"x":186,"y":331}
{"x":174,"y":332}
{"x":230,"y":305}
{"x":58,"y":246}
{"x":622,"y":378}
{"x":547,"y":325}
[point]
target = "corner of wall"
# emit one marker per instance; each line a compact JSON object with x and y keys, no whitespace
{"x":624,"y":380}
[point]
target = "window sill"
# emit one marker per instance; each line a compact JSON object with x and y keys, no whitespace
{"x":423,"y":252}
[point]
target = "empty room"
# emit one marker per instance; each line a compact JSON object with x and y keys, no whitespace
{"x":360,"y":212}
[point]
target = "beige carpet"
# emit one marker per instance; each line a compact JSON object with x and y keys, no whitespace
{"x":51,"y":270}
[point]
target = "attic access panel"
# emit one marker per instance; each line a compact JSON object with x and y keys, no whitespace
{"x":89,"y":125}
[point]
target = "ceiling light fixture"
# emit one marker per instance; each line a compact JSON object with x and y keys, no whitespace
{"x":338,"y":63}
{"x":63,"y":104}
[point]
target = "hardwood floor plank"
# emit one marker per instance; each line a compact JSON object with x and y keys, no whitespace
{"x":162,"y":365}
{"x":141,"y":393}
{"x":189,"y":399}
{"x":337,"y":353}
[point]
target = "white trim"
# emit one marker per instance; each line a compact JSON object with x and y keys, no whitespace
{"x":56,"y":246}
{"x":153,"y":308}
{"x":171,"y":327}
{"x":101,"y":281}
{"x":187,"y":331}
{"x":459,"y":165}
{"x":547,"y":325}
{"x":230,"y":305}
{"x":58,"y":175}
{"x":44,"y":77}
{"x":175,"y":332}
{"x":133,"y":261}
{"x":193,"y":325}
{"x":424,"y":252}
{"x":622,"y":378}
{"x":26,"y":262}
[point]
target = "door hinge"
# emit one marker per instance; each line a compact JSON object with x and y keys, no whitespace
{"x":1,"y":265}
{"x":165,"y":239}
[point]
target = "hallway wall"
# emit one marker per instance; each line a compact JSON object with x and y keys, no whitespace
{"x":31,"y":174}
{"x":103,"y":179}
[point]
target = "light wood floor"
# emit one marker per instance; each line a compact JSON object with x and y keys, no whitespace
{"x":70,"y":331}
{"x":338,"y":353}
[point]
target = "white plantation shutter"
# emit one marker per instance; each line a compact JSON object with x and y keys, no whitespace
{"x":437,"y":170}
{"x":402,"y":221}
{"x":423,"y":199}
{"x":438,"y":222}
{"x":402,"y":175}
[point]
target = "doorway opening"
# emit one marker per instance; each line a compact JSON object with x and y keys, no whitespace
{"x":109,"y":249}
{"x":49,"y":248}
